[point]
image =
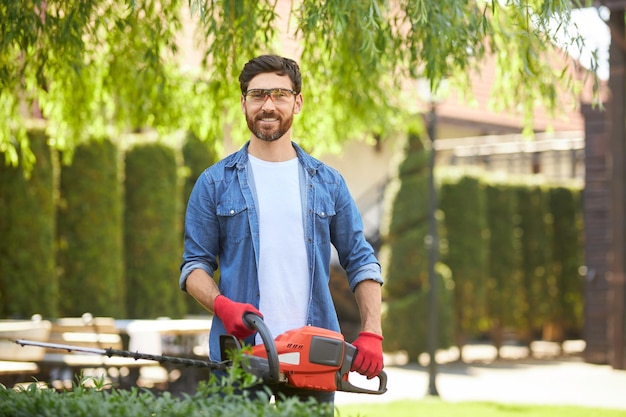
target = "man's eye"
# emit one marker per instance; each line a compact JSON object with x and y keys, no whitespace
{"x":280,"y":93}
{"x":255,"y":95}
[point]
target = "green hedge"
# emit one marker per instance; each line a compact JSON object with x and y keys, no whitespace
{"x":209,"y":400}
{"x":404,"y":257}
{"x":197,"y":156}
{"x":566,"y":313}
{"x":152,"y":232}
{"x":503,"y":267}
{"x":514,"y":249}
{"x":536,"y":245}
{"x":90,"y":253}
{"x":463,"y":203}
{"x":28,"y":282}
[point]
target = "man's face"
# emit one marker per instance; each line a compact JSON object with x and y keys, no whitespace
{"x":270,"y":118}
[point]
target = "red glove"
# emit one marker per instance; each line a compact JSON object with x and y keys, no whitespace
{"x":368,"y":360}
{"x":231,"y":313}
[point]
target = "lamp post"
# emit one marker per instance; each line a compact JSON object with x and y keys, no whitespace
{"x":432,"y":94}
{"x":433,"y":255}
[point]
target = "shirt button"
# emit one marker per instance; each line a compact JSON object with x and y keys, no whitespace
{"x":232,"y":212}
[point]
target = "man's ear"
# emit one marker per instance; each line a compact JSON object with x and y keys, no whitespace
{"x":298,"y":105}
{"x":243,"y":104}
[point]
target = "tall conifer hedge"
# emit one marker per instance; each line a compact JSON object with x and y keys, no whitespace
{"x":197,"y":156}
{"x":566,"y":312}
{"x":90,"y":232}
{"x":463,"y":202}
{"x":28,"y":281}
{"x":536,"y":256}
{"x":503,"y":264}
{"x":404,"y":258}
{"x":152,"y":232}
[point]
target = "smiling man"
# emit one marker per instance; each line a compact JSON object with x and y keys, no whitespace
{"x":267,"y":216}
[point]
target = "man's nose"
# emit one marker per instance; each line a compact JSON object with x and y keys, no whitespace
{"x":268,"y":103}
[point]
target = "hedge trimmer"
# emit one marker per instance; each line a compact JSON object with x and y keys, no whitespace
{"x":308,"y":358}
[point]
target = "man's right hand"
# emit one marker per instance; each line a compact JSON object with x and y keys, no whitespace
{"x":231,"y":313}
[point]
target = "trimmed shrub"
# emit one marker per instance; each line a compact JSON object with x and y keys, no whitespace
{"x":209,"y":400}
{"x":197,"y":156}
{"x":566,"y":312}
{"x":404,"y":257}
{"x":504,"y":276}
{"x":463,"y":202}
{"x":90,"y":232}
{"x":536,"y":256}
{"x":152,"y":232}
{"x":28,"y":282}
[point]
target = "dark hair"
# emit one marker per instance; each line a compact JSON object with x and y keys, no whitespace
{"x":270,"y":63}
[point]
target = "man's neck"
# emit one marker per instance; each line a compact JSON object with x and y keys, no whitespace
{"x":276,"y":151}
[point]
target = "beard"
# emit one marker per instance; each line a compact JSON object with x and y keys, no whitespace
{"x":268,"y":134}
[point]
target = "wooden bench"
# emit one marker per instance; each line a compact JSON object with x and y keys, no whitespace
{"x":19,"y":364}
{"x":61,"y":366}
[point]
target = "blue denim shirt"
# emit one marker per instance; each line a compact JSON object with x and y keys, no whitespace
{"x":222,"y":223}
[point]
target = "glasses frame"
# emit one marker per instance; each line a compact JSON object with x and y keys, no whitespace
{"x":267,"y":92}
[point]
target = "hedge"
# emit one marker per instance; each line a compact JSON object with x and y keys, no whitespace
{"x":566,"y":313}
{"x":504,"y":263}
{"x":90,"y":252}
{"x":404,"y":257}
{"x":536,"y":245}
{"x":88,"y":399}
{"x":197,"y":157}
{"x":152,"y":232}
{"x":28,"y":281}
{"x":464,"y":207}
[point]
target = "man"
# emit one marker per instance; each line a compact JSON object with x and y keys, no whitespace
{"x":268,"y":215}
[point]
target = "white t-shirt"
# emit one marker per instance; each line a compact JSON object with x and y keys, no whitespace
{"x":284,"y":282}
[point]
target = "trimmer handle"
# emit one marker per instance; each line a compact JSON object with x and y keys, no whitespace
{"x":255,"y":322}
{"x":342,"y":377}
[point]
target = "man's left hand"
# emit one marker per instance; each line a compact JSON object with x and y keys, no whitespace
{"x":369,"y":357}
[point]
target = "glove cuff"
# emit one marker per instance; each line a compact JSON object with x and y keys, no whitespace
{"x":219,"y":302}
{"x":372,"y":335}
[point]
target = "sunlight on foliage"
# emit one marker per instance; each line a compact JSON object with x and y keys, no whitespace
{"x":106,"y":68}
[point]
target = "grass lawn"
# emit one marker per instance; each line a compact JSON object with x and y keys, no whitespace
{"x":439,"y":408}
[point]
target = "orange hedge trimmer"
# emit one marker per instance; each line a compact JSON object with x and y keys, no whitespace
{"x":308,"y":357}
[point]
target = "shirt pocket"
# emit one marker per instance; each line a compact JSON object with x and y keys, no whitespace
{"x":233,"y":218}
{"x":323,"y":216}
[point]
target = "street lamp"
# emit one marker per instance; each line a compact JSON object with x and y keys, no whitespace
{"x":432,"y":98}
{"x":433,"y":255}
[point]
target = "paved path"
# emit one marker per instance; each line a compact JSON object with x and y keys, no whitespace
{"x":556,"y":380}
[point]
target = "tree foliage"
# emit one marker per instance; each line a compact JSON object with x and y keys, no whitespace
{"x":116,"y":65}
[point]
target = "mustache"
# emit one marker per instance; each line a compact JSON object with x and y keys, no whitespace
{"x":267,"y":114}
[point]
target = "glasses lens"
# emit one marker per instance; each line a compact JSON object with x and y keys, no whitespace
{"x":255,"y":95}
{"x":279,"y":95}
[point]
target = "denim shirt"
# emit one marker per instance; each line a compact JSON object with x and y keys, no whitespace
{"x":222,"y":223}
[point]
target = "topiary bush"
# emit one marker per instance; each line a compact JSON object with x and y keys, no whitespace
{"x":536,"y":258}
{"x":566,"y":312}
{"x":90,"y":253}
{"x":463,"y":201}
{"x":198,"y":155}
{"x":404,"y":256}
{"x":503,"y":266}
{"x":28,"y":282}
{"x":152,"y":232}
